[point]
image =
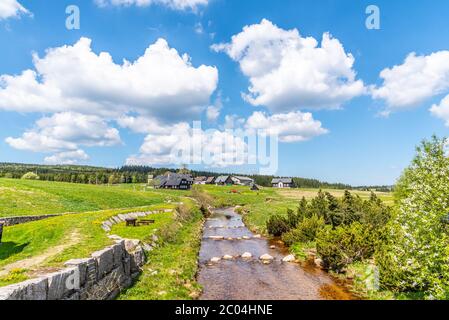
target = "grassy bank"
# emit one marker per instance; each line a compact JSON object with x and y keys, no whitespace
{"x":170,"y":273}
{"x":44,"y":244}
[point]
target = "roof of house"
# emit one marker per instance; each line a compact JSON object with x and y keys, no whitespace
{"x":210,"y":179}
{"x":243,"y":178}
{"x":221,"y":179}
{"x":173,"y":179}
{"x":200,"y":179}
{"x":283,"y":180}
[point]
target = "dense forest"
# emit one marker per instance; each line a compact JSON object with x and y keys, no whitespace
{"x":135,"y":174}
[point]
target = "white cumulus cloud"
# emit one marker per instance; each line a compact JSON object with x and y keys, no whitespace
{"x":417,"y":79}
{"x":160,"y":83}
{"x":67,"y":131}
{"x":193,"y":5}
{"x":11,"y":9}
{"x":184,"y":144}
{"x":290,"y":127}
{"x":441,"y":110}
{"x":68,"y":157}
{"x":288,"y":72}
{"x":83,"y":92}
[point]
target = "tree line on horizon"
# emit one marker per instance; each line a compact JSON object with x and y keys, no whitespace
{"x":139,"y":174}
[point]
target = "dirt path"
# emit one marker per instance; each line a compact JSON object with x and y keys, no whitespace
{"x":238,"y":278}
{"x":36,"y":261}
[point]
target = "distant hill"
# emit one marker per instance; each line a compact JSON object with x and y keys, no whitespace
{"x":137,"y":174}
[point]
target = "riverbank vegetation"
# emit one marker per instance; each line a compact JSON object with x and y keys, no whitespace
{"x":170,"y":273}
{"x":389,"y":252}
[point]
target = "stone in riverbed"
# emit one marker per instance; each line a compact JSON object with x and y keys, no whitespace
{"x":227,"y":257}
{"x":215,"y":259}
{"x":289,"y":258}
{"x":272,"y":247}
{"x":266,"y":257}
{"x":318,"y":263}
{"x":257,"y":236}
{"x":246,"y":238}
{"x":247,"y":255}
{"x":216,"y":237}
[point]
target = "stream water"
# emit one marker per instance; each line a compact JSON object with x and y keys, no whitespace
{"x":249,"y":278}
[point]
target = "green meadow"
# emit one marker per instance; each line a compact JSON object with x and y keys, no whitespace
{"x":34,"y":247}
{"x":28,"y":197}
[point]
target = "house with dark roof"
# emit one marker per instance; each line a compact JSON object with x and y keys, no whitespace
{"x":174,"y":181}
{"x":224,"y":181}
{"x":283,"y":183}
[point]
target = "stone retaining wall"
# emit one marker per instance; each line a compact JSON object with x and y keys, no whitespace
{"x":100,"y":277}
{"x":11,"y":221}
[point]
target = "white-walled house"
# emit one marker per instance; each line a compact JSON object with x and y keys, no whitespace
{"x":283,"y":183}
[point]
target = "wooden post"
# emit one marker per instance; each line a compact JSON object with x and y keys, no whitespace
{"x":1,"y":231}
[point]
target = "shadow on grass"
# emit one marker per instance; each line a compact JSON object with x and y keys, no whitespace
{"x":8,"y":249}
{"x":122,"y":294}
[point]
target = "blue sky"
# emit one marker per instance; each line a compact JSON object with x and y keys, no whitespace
{"x":360,"y":146}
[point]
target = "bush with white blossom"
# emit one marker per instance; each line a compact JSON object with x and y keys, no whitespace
{"x":415,"y":256}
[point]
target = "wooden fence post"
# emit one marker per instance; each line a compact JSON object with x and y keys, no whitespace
{"x":1,"y":231}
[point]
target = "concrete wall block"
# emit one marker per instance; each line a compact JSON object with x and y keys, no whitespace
{"x":81,"y":265}
{"x":35,"y":289}
{"x":105,"y":261}
{"x":127,"y":264}
{"x":137,"y":259}
{"x":61,"y":284}
{"x":92,"y":274}
{"x":118,"y":251}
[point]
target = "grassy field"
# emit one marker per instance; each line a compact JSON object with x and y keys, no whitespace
{"x":41,"y":246}
{"x":36,"y":246}
{"x":32,"y":247}
{"x":298,"y":194}
{"x":25,"y":197}
{"x":170,"y":272}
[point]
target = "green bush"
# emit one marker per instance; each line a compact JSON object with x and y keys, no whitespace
{"x":344,"y":245}
{"x":30,"y":176}
{"x":168,"y":233}
{"x":306,"y":231}
{"x":415,"y":256}
{"x":292,"y":218}
{"x":277,"y":225}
